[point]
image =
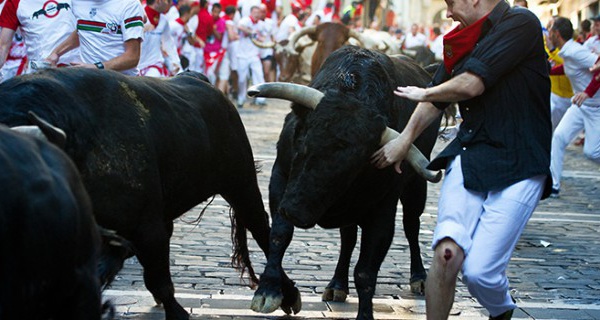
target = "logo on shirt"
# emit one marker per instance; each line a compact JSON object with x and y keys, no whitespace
{"x":111,"y":28}
{"x":93,"y":12}
{"x":50,"y":9}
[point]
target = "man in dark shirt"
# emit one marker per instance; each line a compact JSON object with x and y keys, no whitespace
{"x":497,"y":168}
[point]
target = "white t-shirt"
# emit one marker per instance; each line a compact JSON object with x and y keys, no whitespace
{"x":577,"y":62}
{"x":418,"y":40}
{"x":155,"y":40}
{"x":104,"y":26}
{"x":437,"y":47}
{"x":44,"y":25}
{"x":267,"y":30}
{"x":247,"y":49}
{"x":290,"y":21}
{"x":593,"y":44}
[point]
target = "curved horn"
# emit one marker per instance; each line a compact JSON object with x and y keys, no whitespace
{"x":311,"y":97}
{"x":359,"y":37}
{"x":263,"y":45}
{"x":297,"y":35}
{"x":416,"y":159}
{"x":304,"y":95}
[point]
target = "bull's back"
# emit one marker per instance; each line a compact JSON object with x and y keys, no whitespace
{"x":146,"y":139}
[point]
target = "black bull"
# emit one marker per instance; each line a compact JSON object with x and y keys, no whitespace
{"x":322,"y":174}
{"x":148,"y":150}
{"x":49,"y":242}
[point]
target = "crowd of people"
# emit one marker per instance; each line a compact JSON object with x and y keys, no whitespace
{"x":160,"y":38}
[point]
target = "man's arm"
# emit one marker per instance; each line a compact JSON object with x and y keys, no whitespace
{"x":6,"y":36}
{"x":129,"y":59}
{"x":462,"y":87}
{"x":395,"y":151}
{"x":69,"y":44}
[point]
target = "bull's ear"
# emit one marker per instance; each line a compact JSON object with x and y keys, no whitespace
{"x":55,"y":135}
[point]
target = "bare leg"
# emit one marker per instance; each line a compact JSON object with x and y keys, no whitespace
{"x":441,"y":282}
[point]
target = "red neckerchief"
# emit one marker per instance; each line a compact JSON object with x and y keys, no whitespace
{"x":181,"y":22}
{"x":253,"y":21}
{"x":460,"y":42}
{"x":153,"y":15}
{"x":327,"y":10}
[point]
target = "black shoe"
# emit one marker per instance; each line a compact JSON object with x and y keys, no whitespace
{"x":505,"y":316}
{"x":554,"y":193}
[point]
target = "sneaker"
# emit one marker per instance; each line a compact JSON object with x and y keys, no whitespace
{"x":505,"y":316}
{"x":554,"y":193}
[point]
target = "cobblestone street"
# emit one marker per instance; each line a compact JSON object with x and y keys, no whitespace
{"x":554,"y":272}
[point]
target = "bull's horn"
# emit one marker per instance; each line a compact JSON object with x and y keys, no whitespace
{"x":310,"y":97}
{"x":297,"y":35}
{"x":32,"y":131}
{"x":416,"y":159}
{"x":359,"y":37}
{"x":43,"y":130}
{"x":304,"y":95}
{"x":263,"y":45}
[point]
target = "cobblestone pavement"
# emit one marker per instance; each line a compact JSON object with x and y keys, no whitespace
{"x":554,"y":271}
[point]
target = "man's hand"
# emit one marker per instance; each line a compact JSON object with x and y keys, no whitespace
{"x":52,"y":59}
{"x":412,"y":93}
{"x":392,"y":152}
{"x":579,"y":98}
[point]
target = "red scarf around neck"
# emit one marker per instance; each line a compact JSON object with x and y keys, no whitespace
{"x":460,"y":42}
{"x":153,"y":15}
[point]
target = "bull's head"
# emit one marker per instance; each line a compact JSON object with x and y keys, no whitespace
{"x":311,"y":97}
{"x":329,"y":155}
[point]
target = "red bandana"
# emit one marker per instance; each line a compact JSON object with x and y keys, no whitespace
{"x":153,"y":15}
{"x":253,"y":21}
{"x":460,"y":42}
{"x":181,"y":22}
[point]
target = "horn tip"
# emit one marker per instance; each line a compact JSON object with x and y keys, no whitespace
{"x":253,"y":91}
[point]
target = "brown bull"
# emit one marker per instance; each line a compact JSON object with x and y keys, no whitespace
{"x":328,"y":36}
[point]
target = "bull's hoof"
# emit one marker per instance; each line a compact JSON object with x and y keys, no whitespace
{"x":266,"y":304}
{"x":295,"y":307}
{"x":334,"y":295}
{"x":417,"y":283}
{"x":418,"y":287}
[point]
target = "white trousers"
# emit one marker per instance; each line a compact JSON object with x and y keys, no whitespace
{"x":244,"y":66}
{"x":575,"y":119}
{"x":197,"y":60}
{"x":558,"y":107}
{"x":487,"y":226}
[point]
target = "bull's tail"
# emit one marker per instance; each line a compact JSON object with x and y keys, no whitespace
{"x":241,"y":255}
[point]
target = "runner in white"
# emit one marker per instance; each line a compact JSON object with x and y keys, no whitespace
{"x":182,"y":34}
{"x":248,"y":55}
{"x":268,"y":27}
{"x":43,"y":23}
{"x":290,"y":23}
{"x":157,"y":39}
{"x":109,"y":34}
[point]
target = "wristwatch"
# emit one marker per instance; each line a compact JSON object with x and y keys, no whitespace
{"x":99,"y":65}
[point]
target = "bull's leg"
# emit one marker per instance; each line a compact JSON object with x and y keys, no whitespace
{"x":337,"y":289}
{"x":376,"y":239}
{"x":152,"y":244}
{"x":413,"y":203}
{"x":275,"y":288}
